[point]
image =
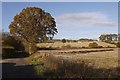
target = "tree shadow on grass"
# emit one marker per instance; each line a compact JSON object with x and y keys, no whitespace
{"x":10,"y":70}
{"x":63,"y":69}
{"x":15,"y":54}
{"x":72,"y":69}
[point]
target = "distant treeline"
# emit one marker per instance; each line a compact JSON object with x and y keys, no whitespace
{"x":69,"y":40}
{"x":109,"y":37}
{"x":85,"y":39}
{"x":103,"y":37}
{"x":6,"y":34}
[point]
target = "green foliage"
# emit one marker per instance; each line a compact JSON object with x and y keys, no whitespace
{"x":109,"y":37}
{"x":93,"y":45}
{"x":100,"y":47}
{"x":7,"y":52}
{"x":12,"y":46}
{"x":33,"y":25}
{"x":75,"y":41}
{"x":64,"y":40}
{"x":30,"y":47}
{"x":12,"y":42}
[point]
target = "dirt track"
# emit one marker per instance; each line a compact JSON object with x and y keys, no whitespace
{"x":17,"y":68}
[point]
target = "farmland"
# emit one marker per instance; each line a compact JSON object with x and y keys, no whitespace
{"x":70,"y":59}
{"x":79,"y":44}
{"x":66,"y":41}
{"x":100,"y":59}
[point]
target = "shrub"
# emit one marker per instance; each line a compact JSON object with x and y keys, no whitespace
{"x":13,"y":42}
{"x":64,"y":40}
{"x":108,"y":47}
{"x":118,"y":44}
{"x":93,"y":45}
{"x":83,"y":47}
{"x":7,"y":52}
{"x":100,"y":46}
{"x":12,"y":47}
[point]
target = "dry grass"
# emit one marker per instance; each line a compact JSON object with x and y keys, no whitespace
{"x":73,"y":44}
{"x":104,"y":59}
{"x":107,"y":59}
{"x":76,"y":63}
{"x":52,"y":67}
{"x":73,"y":69}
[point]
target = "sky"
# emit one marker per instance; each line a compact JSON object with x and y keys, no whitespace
{"x":74,"y":20}
{"x":60,"y":0}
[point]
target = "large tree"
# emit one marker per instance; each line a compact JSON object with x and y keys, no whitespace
{"x":33,"y":25}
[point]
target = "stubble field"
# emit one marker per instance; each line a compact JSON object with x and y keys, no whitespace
{"x":77,"y":62}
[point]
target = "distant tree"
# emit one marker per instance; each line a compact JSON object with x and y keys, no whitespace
{"x":102,"y":38}
{"x":114,"y":37}
{"x":109,"y":37}
{"x":75,"y":41}
{"x":4,"y":35}
{"x":118,"y":37}
{"x":33,"y":25}
{"x":64,"y":40}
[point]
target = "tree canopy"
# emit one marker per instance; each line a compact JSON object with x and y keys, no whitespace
{"x":33,"y":25}
{"x":110,"y":37}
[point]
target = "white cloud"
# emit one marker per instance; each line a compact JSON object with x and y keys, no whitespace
{"x":85,"y":19}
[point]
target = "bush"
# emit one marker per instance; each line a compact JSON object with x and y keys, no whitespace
{"x":93,"y":45}
{"x":108,"y":47}
{"x":100,"y":46}
{"x":12,"y":47}
{"x":19,"y":45}
{"x":118,"y":44}
{"x":13,"y":42}
{"x":64,"y":40}
{"x":83,"y":47}
{"x":7,"y":52}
